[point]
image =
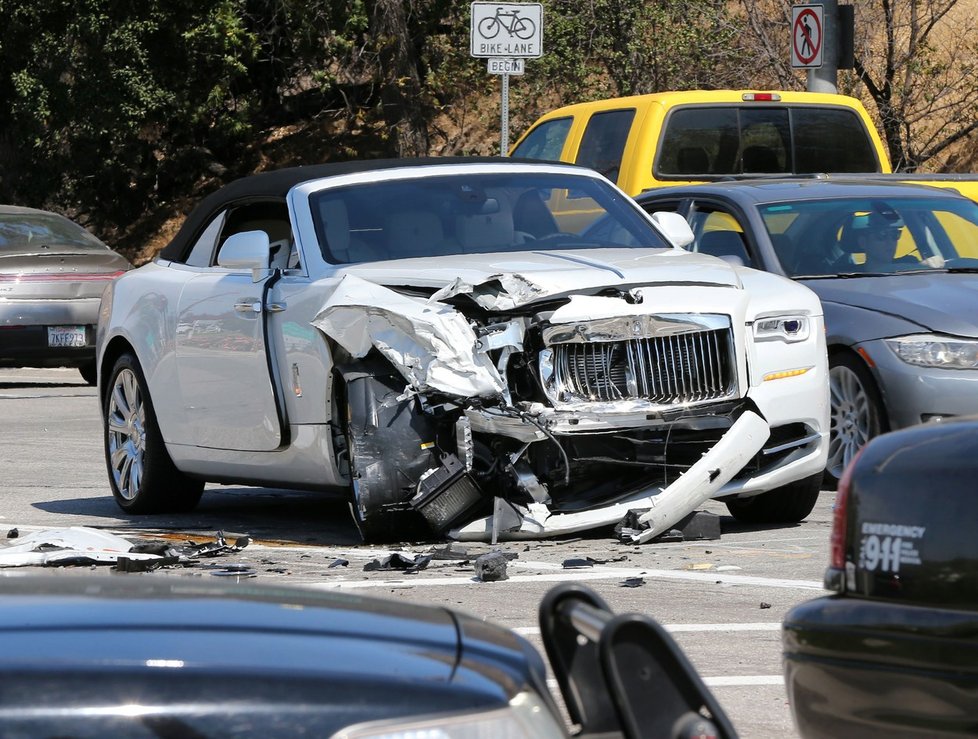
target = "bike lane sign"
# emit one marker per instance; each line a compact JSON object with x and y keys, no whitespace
{"x":510,"y":30}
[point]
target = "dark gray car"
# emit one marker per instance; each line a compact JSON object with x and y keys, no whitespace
{"x":896,"y":269}
{"x":52,"y":274}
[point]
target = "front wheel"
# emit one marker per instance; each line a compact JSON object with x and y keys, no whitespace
{"x":856,"y":413}
{"x":790,"y":503}
{"x":142,"y":475}
{"x":388,"y":447}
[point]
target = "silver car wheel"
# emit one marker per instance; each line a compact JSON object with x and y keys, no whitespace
{"x":127,"y":433}
{"x":853,"y":420}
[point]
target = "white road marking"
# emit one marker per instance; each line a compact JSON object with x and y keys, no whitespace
{"x":558,"y":574}
{"x":677,"y":628}
{"x":724,"y":681}
{"x":720,"y":681}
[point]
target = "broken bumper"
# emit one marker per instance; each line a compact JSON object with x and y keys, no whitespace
{"x":667,"y":506}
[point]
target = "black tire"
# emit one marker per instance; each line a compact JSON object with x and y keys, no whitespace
{"x":790,"y":503}
{"x":856,"y":413}
{"x":389,"y":445}
{"x":142,"y":476}
{"x":89,"y":373}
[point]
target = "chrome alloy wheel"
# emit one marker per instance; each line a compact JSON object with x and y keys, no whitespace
{"x":853,"y":418}
{"x":127,"y":433}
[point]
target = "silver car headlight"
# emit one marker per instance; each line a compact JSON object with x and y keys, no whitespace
{"x":787,"y":328}
{"x":526,"y":717}
{"x":931,"y":350}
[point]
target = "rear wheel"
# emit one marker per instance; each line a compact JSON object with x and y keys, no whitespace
{"x":389,"y":445}
{"x":142,"y":475}
{"x":790,"y":503}
{"x":856,"y":413}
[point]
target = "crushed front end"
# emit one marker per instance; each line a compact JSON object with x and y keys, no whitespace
{"x":585,"y":407}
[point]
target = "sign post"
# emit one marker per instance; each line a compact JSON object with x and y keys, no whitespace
{"x":506,"y":34}
{"x":822,"y":42}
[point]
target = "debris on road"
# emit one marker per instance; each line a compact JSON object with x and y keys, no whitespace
{"x":397,"y":561}
{"x":634,"y":528}
{"x":77,"y":545}
{"x":577,"y":563}
{"x":632,"y":582}
{"x":339,"y":563}
{"x":82,"y":546}
{"x":491,"y":567}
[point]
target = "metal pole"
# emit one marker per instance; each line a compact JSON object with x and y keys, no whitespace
{"x":826,"y":77}
{"x":504,"y":143}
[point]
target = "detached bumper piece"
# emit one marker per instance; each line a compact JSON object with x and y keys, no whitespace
{"x":624,"y":674}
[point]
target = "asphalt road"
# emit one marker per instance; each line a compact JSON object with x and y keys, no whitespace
{"x":723,"y":600}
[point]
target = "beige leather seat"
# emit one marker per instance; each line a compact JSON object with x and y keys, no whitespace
{"x":490,"y":229}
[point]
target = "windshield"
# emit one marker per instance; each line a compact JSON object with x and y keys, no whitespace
{"x":873,"y":236}
{"x":476,"y":213}
{"x":36,"y":231}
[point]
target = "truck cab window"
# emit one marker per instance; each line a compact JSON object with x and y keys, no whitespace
{"x":546,"y":141}
{"x":603,"y":142}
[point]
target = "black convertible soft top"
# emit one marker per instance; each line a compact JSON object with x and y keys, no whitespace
{"x":277,"y":183}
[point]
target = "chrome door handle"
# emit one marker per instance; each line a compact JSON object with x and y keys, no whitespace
{"x":275,"y":307}
{"x":248,"y":306}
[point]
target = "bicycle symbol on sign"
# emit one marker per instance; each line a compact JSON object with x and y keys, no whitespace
{"x":509,"y":21}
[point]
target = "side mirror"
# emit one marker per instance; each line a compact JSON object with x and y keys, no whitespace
{"x":624,"y":674}
{"x":245,"y":250}
{"x":675,"y":227}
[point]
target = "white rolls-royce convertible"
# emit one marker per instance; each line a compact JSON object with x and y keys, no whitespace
{"x":483,"y":349}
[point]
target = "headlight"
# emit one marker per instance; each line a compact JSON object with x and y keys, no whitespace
{"x":526,"y":717}
{"x":782,"y":328}
{"x":929,"y":350}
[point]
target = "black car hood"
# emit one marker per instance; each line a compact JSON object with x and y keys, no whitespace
{"x":939,"y":302}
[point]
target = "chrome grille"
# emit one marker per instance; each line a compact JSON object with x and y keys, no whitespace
{"x":680,"y":368}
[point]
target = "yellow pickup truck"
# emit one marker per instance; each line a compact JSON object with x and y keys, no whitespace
{"x":668,"y":138}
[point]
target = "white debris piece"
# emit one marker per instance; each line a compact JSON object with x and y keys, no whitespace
{"x":52,"y":546}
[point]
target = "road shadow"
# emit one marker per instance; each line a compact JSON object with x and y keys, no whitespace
{"x":283,"y":517}
{"x":18,"y":385}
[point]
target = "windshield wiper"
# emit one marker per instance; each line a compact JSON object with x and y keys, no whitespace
{"x":843,"y":275}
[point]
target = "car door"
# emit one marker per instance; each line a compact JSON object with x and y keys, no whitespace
{"x":222,"y":356}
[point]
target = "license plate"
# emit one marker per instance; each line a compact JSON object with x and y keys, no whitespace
{"x":73,"y":336}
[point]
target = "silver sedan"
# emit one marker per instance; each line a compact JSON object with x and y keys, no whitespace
{"x":52,"y":274}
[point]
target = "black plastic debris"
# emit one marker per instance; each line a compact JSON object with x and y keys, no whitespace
{"x":632,"y":582}
{"x":339,"y":563}
{"x":181,"y":554}
{"x":231,"y":570}
{"x":697,"y":526}
{"x":215,"y":548}
{"x":396,"y":561}
{"x":128,"y":564}
{"x":578,"y":563}
{"x":765,"y":605}
{"x":491,"y":567}
{"x":13,"y":534}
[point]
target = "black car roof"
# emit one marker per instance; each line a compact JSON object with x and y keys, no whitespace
{"x":774,"y":189}
{"x":277,"y":183}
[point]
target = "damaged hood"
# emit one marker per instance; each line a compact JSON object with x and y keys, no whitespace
{"x":502,"y":281}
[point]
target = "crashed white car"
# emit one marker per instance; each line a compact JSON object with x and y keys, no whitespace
{"x":479,"y":349}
